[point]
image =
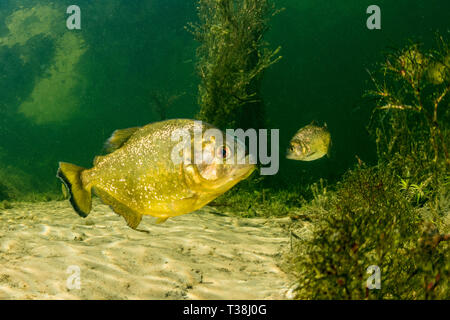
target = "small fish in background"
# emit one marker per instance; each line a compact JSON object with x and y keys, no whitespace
{"x":310,"y":143}
{"x":139,"y":176}
{"x":438,"y":72}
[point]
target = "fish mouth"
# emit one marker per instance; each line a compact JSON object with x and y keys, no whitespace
{"x":196,"y":181}
{"x":292,"y":156}
{"x":244,"y":171}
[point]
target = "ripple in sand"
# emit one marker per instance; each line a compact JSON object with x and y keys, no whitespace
{"x":198,"y":256}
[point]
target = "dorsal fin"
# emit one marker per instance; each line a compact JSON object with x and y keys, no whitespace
{"x":98,"y":159}
{"x":118,"y":138}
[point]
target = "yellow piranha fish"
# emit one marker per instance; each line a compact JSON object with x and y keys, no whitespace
{"x":148,"y":172}
{"x":310,"y":143}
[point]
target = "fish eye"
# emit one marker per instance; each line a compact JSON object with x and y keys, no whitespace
{"x":223,"y":152}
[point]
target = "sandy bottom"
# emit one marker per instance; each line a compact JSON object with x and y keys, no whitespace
{"x":46,"y":250}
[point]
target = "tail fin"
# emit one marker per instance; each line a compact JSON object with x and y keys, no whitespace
{"x":80,"y":197}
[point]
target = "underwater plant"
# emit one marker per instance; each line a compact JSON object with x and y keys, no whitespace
{"x":231,"y":60}
{"x":369,"y":222}
{"x":163,"y":101}
{"x":411,"y":119}
{"x":412,"y":99}
{"x":394,"y":215}
{"x":253,"y":200}
{"x":14,"y":183}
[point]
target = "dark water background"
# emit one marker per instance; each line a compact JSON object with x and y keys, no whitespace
{"x":134,"y":48}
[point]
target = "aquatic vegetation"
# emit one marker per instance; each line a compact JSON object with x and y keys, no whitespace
{"x":411,"y":118}
{"x":18,"y":185}
{"x":394,"y":215}
{"x":5,"y":204}
{"x":415,"y":192}
{"x":414,"y":85}
{"x":232,"y":58}
{"x":7,"y":192}
{"x":369,"y":222}
{"x":55,"y":94}
{"x":162,"y":102}
{"x":412,"y":104}
{"x":250,"y":201}
{"x":258,"y":196}
{"x":14,"y":183}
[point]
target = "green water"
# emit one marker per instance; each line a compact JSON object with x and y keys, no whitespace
{"x":63,"y":92}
